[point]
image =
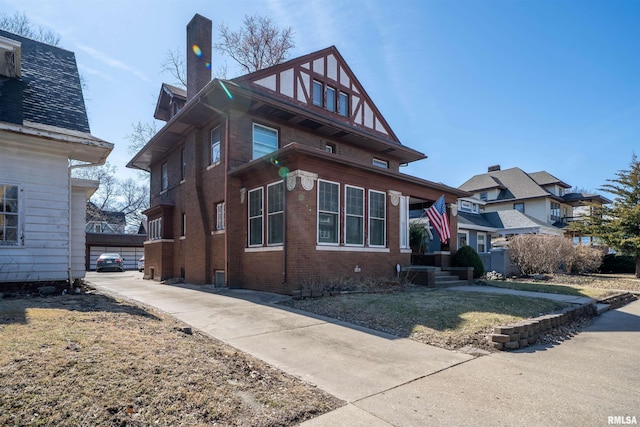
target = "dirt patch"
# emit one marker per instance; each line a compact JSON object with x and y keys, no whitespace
{"x":93,"y":360}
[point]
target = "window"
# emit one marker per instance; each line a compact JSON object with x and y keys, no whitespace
{"x":343,"y":104}
{"x":404,"y":222}
{"x":255,"y":217}
{"x":555,"y":212}
{"x":519,"y":207}
{"x":155,"y":229}
{"x":220,"y":216}
{"x":183,"y":228}
{"x":329,"y":148}
{"x":463,"y":239}
{"x":183,"y":160}
{"x":328,"y":209}
{"x":377,"y":218}
{"x":380,"y":163}
{"x":483,"y":195}
{"x":9,"y":215}
{"x":482,"y":245}
{"x":275,"y":214}
{"x":164,"y":176}
{"x":265,"y":140}
{"x":317,"y":93}
{"x":215,"y":145}
{"x":354,"y":216}
{"x":331,"y":99}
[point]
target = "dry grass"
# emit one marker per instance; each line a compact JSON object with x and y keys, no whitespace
{"x":596,"y":286}
{"x":443,"y":318}
{"x":90,"y":360}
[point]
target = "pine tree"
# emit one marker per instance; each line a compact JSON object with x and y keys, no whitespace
{"x":618,"y":225}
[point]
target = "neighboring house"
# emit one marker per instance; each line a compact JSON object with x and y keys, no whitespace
{"x":510,"y":202}
{"x":101,"y":221}
{"x":279,"y":178}
{"x":43,"y":128}
{"x":105,"y":232}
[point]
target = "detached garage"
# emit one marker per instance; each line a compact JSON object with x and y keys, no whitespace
{"x":129,"y":246}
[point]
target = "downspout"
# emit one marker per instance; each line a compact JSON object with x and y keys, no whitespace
{"x":284,"y":229}
{"x":70,"y":169}
{"x":226,"y":194}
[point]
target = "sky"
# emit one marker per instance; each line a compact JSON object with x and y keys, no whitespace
{"x":534,"y":84}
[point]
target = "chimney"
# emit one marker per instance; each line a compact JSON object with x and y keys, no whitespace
{"x":198,"y":54}
{"x":493,"y":168}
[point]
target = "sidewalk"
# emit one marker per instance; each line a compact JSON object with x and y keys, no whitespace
{"x":570,"y":299}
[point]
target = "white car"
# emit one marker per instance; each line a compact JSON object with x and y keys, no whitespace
{"x":141,"y":265}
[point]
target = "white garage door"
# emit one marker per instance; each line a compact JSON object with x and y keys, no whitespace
{"x":131,"y":255}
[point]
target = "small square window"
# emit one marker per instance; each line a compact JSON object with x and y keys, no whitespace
{"x":330,"y":148}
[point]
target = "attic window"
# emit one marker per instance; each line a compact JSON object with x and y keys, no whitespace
{"x":330,"y":98}
{"x":10,"y":58}
{"x":380,"y":163}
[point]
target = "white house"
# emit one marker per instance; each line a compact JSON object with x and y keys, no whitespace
{"x":43,"y":131}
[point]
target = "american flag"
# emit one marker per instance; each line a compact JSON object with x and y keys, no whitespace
{"x":439,"y":219}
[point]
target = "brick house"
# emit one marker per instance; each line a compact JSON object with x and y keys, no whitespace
{"x":286,"y":176}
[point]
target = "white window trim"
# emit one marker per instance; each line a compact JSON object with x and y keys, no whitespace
{"x":404,"y":222}
{"x":466,"y":234}
{"x":274,"y":213}
{"x":485,"y":242}
{"x":20,"y":236}
{"x":347,"y":215}
{"x":155,"y":229}
{"x":249,"y":217}
{"x":384,"y":235}
{"x":318,"y":214}
{"x":220,"y":216}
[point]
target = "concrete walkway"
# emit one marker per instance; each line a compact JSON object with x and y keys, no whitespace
{"x":571,"y":299}
{"x":390,"y":381}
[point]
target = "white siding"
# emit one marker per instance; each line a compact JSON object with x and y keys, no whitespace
{"x":44,"y":205}
{"x":78,"y":235}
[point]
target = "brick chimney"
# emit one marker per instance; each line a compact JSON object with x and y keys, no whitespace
{"x":198,"y":54}
{"x":493,"y":168}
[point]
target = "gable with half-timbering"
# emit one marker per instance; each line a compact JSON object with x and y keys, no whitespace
{"x":324,"y":82}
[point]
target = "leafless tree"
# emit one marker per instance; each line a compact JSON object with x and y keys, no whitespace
{"x":258,"y":44}
{"x":140,"y":134}
{"x":20,"y":24}
{"x":115,"y":195}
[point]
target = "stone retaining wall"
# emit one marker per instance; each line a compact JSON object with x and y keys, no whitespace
{"x":527,"y":332}
{"x":619,"y":300}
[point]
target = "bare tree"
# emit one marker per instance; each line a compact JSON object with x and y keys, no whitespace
{"x":20,"y":24}
{"x":173,"y":64}
{"x":114,"y":195}
{"x":140,"y":134}
{"x":258,"y":44}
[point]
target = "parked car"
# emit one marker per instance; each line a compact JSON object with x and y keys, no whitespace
{"x":110,"y":261}
{"x":141,"y":265}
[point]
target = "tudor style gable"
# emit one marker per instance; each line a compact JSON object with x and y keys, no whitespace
{"x":324,"y":83}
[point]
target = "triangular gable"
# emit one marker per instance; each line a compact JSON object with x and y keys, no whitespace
{"x":294,"y":79}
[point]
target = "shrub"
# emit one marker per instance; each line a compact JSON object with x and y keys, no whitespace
{"x":585,"y":259}
{"x":468,"y":257}
{"x":612,"y":263}
{"x":539,"y":253}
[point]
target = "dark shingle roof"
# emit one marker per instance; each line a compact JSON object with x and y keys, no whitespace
{"x":49,"y":91}
{"x":504,"y":221}
{"x":515,"y":183}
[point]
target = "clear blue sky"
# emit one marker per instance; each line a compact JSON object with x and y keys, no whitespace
{"x":535,"y":84}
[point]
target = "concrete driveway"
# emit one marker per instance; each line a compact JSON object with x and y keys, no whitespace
{"x":394,"y":381}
